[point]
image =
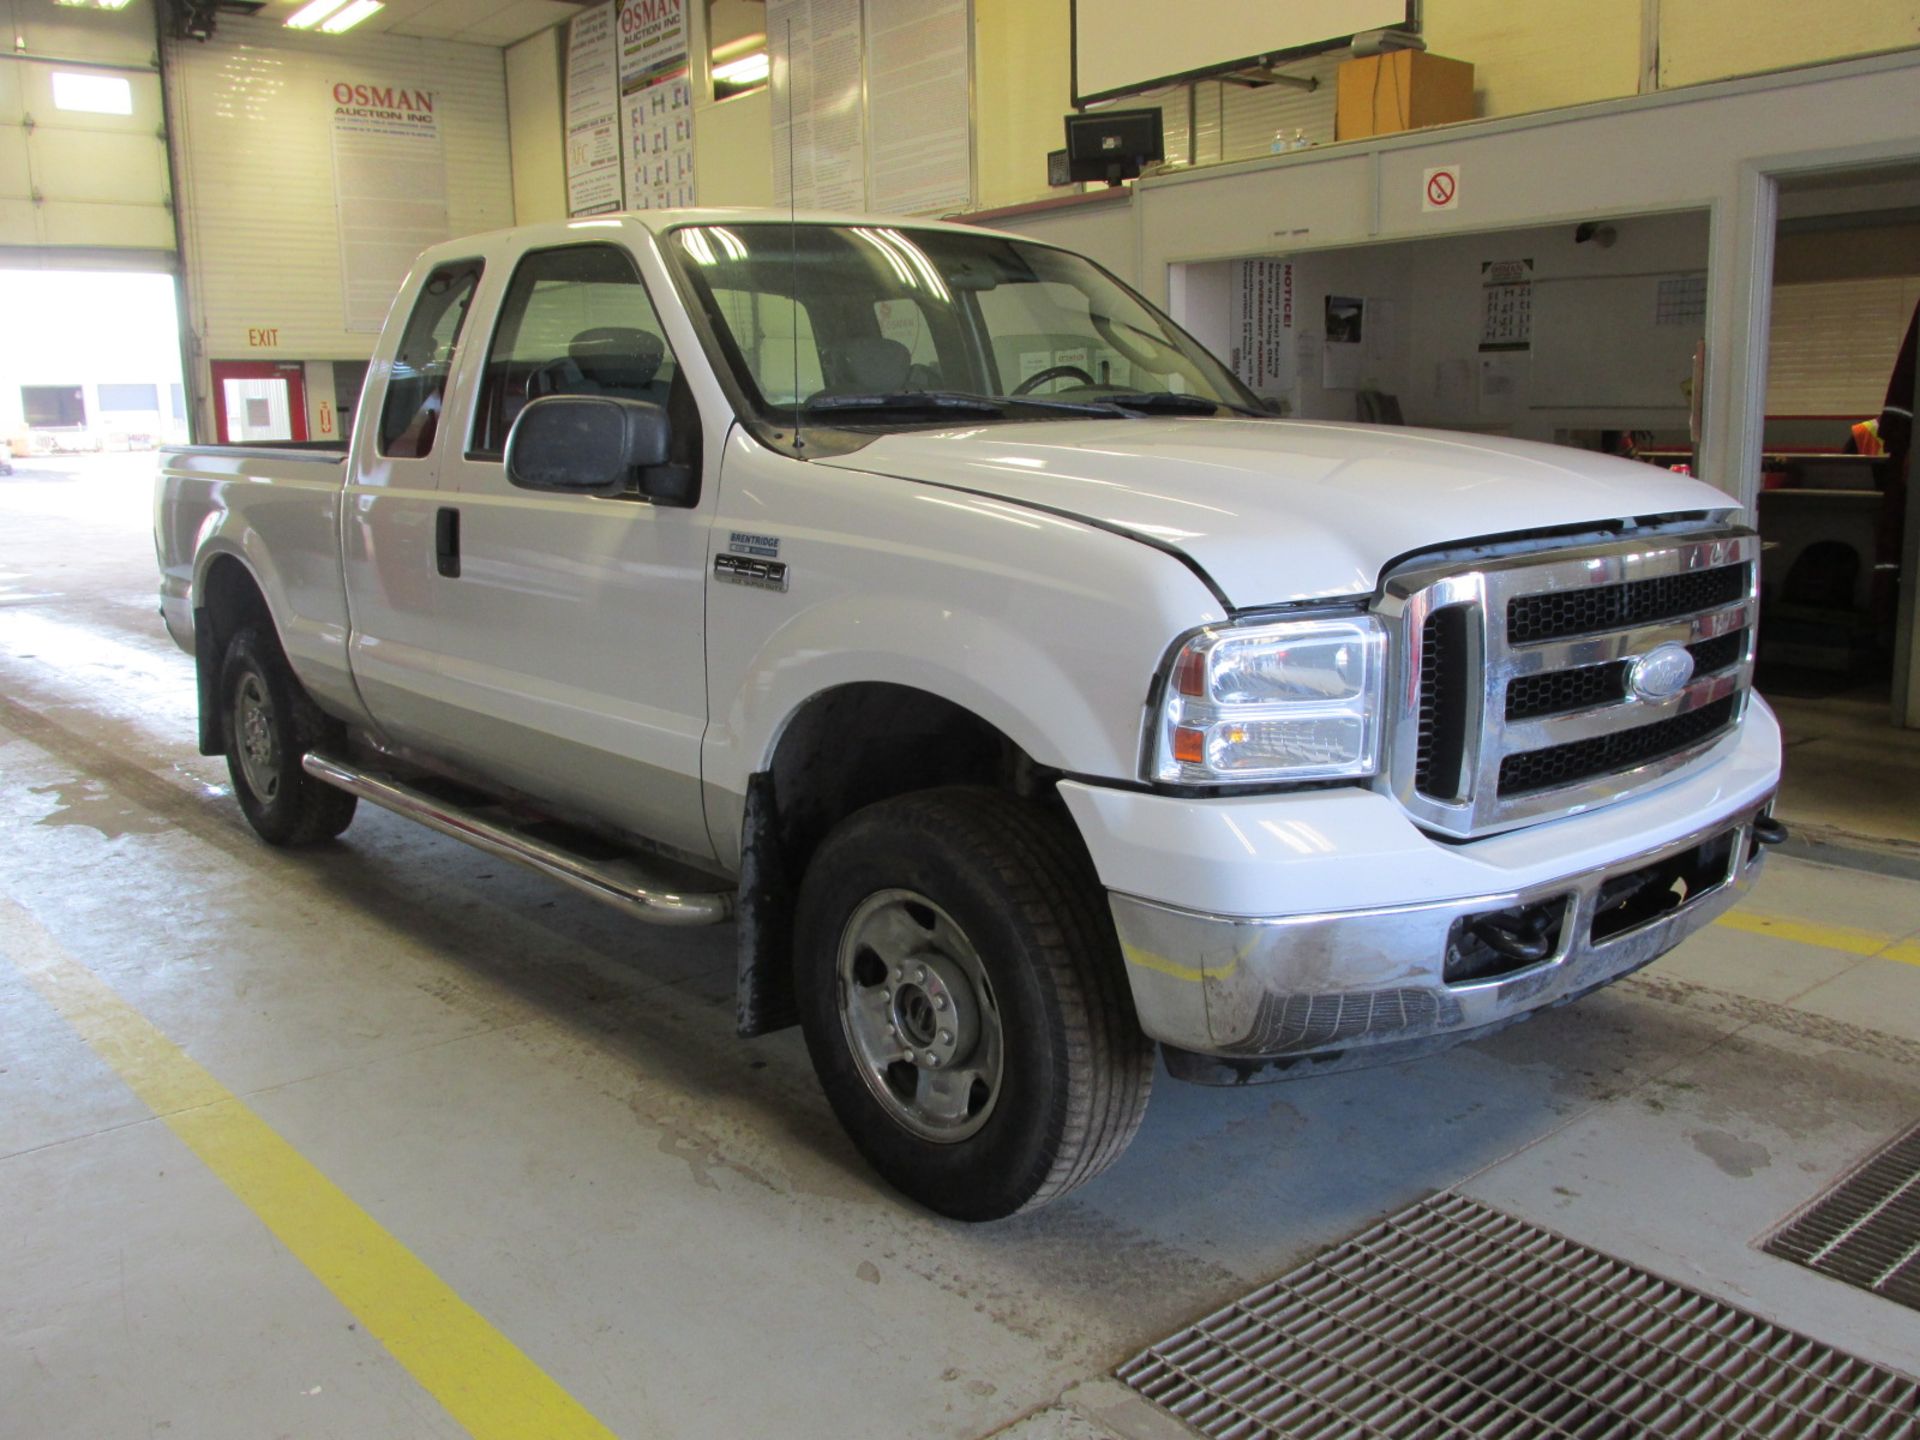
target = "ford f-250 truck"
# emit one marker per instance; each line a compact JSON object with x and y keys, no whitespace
{"x":924,"y":601}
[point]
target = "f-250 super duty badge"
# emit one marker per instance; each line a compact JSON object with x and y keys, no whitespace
{"x":746,"y":570}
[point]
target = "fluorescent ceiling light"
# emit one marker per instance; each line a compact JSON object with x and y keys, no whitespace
{"x":95,"y":94}
{"x":747,"y":70}
{"x":352,"y":16}
{"x":311,"y":14}
{"x":111,"y":4}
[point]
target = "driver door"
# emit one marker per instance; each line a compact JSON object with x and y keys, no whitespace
{"x":573,"y":639}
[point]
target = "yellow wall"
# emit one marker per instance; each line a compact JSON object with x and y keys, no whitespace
{"x":1713,"y":39}
{"x":1538,"y":55}
{"x":733,"y":150}
{"x":536,"y":126}
{"x":1022,"y":87}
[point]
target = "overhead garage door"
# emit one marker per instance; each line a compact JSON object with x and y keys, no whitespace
{"x":83,"y":156}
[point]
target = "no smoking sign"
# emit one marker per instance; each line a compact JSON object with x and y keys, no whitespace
{"x":1441,"y":189}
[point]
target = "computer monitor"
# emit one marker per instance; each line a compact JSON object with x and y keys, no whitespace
{"x":1112,"y":145}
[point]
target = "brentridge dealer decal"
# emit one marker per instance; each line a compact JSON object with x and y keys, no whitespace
{"x":740,"y":542}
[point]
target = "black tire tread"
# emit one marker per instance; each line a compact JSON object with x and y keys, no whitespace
{"x":1108,"y":1062}
{"x":318,"y":811}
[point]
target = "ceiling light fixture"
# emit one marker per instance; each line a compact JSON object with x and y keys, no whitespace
{"x":747,"y":70}
{"x":312,"y":13}
{"x":352,"y":16}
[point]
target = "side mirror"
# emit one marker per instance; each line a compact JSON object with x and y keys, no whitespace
{"x":593,"y":445}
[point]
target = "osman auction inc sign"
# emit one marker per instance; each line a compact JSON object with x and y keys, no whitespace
{"x":393,"y":103}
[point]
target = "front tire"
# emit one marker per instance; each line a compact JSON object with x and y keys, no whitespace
{"x":962,"y":998}
{"x":270,"y":722}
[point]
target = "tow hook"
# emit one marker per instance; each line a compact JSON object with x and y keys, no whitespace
{"x":1521,"y":936}
{"x":1768,"y":831}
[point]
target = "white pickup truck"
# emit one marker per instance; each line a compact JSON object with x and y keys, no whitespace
{"x":925,"y":602}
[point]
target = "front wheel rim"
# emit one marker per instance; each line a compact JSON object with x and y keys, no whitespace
{"x":920,"y":1016}
{"x":253,"y":737}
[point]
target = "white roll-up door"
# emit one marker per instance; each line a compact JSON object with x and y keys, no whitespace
{"x":83,"y":152}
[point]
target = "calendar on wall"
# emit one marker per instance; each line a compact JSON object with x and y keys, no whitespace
{"x":1507,"y":314}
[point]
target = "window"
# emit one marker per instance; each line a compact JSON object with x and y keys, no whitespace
{"x":776,"y":341}
{"x":130,"y":397}
{"x":53,"y":407}
{"x":893,"y":312}
{"x":574,"y":322}
{"x":417,"y":387}
{"x":92,"y":94}
{"x":178,"y":395}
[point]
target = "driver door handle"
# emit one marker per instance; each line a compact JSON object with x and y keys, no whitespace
{"x":446,"y":541}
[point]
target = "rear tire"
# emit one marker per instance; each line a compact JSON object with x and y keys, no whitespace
{"x":269,"y":722}
{"x":961,"y":993}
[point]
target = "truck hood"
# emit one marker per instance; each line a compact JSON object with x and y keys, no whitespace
{"x":1280,"y":511}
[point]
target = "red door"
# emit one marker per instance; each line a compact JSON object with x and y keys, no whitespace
{"x":258,"y":402}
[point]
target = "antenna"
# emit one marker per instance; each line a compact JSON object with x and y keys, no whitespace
{"x":793,"y":252}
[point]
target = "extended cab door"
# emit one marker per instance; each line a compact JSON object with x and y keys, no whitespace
{"x":572,"y":637}
{"x":391,"y":523}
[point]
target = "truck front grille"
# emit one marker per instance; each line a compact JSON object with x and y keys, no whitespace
{"x":1517,"y":700}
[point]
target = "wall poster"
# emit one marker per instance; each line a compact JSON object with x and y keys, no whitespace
{"x":919,"y":144}
{"x":593,"y":113}
{"x":656,"y":105}
{"x":1263,"y":348}
{"x":390,"y":192}
{"x":819,"y":106}
{"x":1507,"y":316}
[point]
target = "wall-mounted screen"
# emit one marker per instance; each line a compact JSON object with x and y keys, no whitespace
{"x":1122,"y":46}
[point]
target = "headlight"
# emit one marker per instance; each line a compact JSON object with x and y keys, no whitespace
{"x":1298,"y":700}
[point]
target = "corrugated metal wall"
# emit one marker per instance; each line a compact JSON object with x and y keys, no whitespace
{"x":71,"y":179}
{"x":253,"y":130}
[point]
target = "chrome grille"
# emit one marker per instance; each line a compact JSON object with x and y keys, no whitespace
{"x":1513,"y":694}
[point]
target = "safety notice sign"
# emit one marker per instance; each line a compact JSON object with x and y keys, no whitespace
{"x":1441,"y":188}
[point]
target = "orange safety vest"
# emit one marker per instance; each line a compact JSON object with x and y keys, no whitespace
{"x":1866,"y":438}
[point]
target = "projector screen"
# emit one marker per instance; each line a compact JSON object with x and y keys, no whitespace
{"x":1120,"y":46}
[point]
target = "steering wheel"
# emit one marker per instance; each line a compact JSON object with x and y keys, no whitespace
{"x":1053,"y":372}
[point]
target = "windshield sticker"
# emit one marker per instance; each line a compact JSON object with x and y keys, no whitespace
{"x":741,"y":542}
{"x":744,"y":570}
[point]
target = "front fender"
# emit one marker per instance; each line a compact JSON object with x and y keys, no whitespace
{"x":1044,"y":627}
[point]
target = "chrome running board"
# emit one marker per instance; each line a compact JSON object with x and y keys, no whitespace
{"x":622,"y":883}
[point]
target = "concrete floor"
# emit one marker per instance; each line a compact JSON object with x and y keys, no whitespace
{"x":547,"y":1108}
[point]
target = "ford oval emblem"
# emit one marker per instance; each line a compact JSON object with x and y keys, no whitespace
{"x":1661,"y":673}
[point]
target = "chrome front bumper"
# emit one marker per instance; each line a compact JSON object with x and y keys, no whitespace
{"x":1372,"y":986}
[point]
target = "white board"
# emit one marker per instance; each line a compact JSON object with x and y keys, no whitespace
{"x":1120,"y":46}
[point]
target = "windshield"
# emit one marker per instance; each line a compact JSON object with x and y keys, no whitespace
{"x":876,"y":325}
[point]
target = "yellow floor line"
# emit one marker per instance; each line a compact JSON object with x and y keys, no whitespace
{"x":482,"y":1378}
{"x":1826,"y":937}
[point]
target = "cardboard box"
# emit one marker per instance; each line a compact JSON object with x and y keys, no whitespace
{"x":1402,"y":90}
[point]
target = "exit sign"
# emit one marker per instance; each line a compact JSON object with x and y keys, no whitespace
{"x":264,"y":339}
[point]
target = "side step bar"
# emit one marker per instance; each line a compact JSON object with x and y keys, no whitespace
{"x":620,"y":883}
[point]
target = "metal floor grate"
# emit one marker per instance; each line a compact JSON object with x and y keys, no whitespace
{"x":1866,"y":1229}
{"x":1455,"y":1319}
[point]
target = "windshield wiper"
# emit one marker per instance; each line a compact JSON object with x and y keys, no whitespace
{"x":961,"y":402}
{"x":1166,"y":402}
{"x":909,"y":400}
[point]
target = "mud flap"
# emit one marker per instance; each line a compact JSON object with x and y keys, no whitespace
{"x":764,"y":980}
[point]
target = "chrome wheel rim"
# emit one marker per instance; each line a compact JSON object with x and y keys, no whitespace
{"x":253,"y":738}
{"x":920,"y":1016}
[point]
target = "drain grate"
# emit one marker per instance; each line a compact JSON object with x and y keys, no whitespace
{"x":1455,"y":1319}
{"x":1866,"y":1229}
